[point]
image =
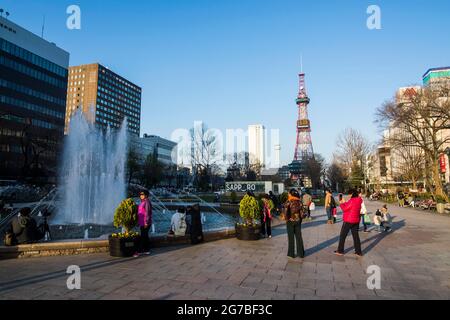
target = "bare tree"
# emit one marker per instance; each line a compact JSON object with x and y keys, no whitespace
{"x":204,"y":154}
{"x":240,"y":167}
{"x":336,"y":176}
{"x":133,"y":163}
{"x":423,"y":115}
{"x":352,"y":148}
{"x":408,"y":163}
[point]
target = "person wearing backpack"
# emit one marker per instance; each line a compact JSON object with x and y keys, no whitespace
{"x":293,"y":213}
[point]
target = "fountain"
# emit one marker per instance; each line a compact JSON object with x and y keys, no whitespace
{"x":92,"y":176}
{"x":92,"y":185}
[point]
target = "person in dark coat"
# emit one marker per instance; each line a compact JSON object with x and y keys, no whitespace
{"x":25,"y":229}
{"x":293,"y":213}
{"x":196,"y":224}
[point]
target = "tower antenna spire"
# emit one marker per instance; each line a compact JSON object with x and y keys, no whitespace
{"x":303,"y":147}
{"x":301,"y":63}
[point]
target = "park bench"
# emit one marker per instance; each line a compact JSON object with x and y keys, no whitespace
{"x":428,"y":205}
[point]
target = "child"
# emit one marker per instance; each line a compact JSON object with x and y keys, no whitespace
{"x":378,"y":220}
{"x":387,"y":219}
{"x":383,"y":219}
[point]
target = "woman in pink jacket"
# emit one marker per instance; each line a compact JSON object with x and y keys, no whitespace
{"x":145,"y":222}
{"x":351,"y":218}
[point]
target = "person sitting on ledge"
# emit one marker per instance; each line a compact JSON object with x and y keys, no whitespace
{"x":25,"y":229}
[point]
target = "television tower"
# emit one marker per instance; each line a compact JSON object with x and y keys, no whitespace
{"x":303,"y":147}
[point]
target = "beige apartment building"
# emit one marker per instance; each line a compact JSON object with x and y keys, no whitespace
{"x":104,"y":97}
{"x":384,"y":165}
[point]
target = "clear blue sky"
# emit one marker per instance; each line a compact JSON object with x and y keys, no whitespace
{"x":232,"y":63}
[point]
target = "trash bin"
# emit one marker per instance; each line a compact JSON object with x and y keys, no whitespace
{"x":440,"y":208}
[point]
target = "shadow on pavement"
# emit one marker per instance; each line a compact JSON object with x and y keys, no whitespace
{"x":376,"y":240}
{"x":4,"y":286}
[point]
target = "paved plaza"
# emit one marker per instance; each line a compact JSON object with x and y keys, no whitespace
{"x":414,"y":259}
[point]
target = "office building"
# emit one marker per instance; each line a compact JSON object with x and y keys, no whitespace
{"x":33,"y":88}
{"x":165,"y":150}
{"x":105,"y":97}
{"x":436,"y":76}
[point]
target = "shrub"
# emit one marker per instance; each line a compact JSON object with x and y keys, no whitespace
{"x":126,"y":215}
{"x":440,"y":199}
{"x":249,"y":209}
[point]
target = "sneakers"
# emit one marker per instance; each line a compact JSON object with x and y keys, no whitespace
{"x":270,"y":237}
{"x":338,"y":253}
{"x":359,"y":255}
{"x":137,"y":254}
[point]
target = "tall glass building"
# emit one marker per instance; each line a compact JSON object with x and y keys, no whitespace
{"x":33,"y":87}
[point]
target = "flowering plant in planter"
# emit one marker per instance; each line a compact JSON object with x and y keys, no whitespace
{"x":126,"y":215}
{"x":125,"y":244}
{"x":249,"y":210}
{"x":122,"y":235}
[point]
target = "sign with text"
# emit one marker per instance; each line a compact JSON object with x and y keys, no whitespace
{"x":237,"y":186}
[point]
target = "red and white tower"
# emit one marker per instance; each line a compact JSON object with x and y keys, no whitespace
{"x":303,"y":147}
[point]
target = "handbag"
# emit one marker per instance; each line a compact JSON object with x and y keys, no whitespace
{"x":312,"y":206}
{"x":367,"y":219}
{"x":334,"y":211}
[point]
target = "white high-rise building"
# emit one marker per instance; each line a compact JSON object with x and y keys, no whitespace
{"x":276,"y":161}
{"x":256,"y":144}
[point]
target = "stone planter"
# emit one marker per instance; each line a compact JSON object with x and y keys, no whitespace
{"x":248,"y":233}
{"x":123,"y":247}
{"x":440,"y":208}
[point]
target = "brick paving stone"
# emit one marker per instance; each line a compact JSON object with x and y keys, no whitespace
{"x":232,"y":269}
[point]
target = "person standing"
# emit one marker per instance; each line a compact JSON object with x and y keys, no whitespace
{"x":145,"y":222}
{"x":196,"y":223}
{"x":401,"y":199}
{"x":351,"y":218}
{"x":266,"y":216}
{"x":328,"y":208}
{"x":275,"y":200}
{"x":363,"y":213}
{"x":293,"y":212}
{"x":307,"y":199}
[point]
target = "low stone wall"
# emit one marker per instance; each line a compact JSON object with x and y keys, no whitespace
{"x":63,"y":248}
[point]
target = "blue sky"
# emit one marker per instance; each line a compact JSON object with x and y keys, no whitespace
{"x":231,"y":63}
